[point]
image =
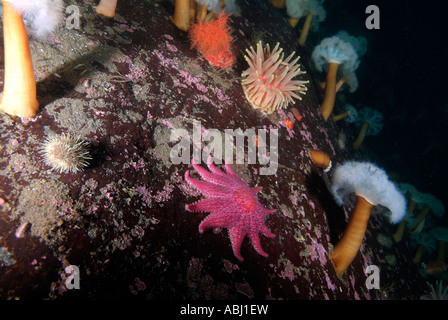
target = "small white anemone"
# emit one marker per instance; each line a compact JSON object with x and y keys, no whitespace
{"x":43,"y":15}
{"x":334,"y":49}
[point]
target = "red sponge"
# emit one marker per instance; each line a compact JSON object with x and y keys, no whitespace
{"x":213,"y":40}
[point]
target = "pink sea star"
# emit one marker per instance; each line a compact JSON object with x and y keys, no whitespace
{"x":232,"y":204}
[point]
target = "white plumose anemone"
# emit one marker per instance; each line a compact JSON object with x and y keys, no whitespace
{"x":369,"y":188}
{"x":43,"y":15}
{"x":372,"y":183}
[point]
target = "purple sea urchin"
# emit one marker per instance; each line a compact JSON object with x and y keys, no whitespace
{"x":64,"y":153}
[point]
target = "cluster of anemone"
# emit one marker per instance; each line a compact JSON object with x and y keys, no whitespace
{"x":420,"y":206}
{"x":426,"y":208}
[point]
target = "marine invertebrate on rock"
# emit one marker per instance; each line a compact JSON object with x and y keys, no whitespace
{"x":278,"y":3}
{"x":213,"y":40}
{"x":313,"y":10}
{"x":436,"y":292}
{"x":20,"y":232}
{"x":369,"y":187}
{"x":217,"y":6}
{"x":19,"y":91}
{"x":333,"y":52}
{"x":202,"y":6}
{"x":181,"y":17}
{"x":187,"y":11}
{"x":411,"y":193}
{"x":430,"y":204}
{"x":107,"y":8}
{"x":384,"y":240}
{"x":268,"y":83}
{"x":42,"y":15}
{"x":348,"y":80}
{"x":350,"y":114}
{"x":424,"y":242}
{"x":434,"y":267}
{"x":232,"y":204}
{"x":321,"y":159}
{"x":371,"y":123}
{"x":64,"y":153}
{"x":359,"y":43}
{"x":441,"y":234}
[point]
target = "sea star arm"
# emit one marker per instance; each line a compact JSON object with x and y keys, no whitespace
{"x":236,"y":238}
{"x":255,"y":240}
{"x":214,"y":220}
{"x":208,"y":205}
{"x":212,"y":176}
{"x":206,"y":188}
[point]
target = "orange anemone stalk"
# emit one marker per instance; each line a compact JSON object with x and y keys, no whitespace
{"x":19,"y":92}
{"x":305,"y":29}
{"x":280,"y":4}
{"x":346,"y":249}
{"x":320,"y":159}
{"x":330,"y":90}
{"x":201,"y":12}
{"x":181,"y":16}
{"x":107,"y":8}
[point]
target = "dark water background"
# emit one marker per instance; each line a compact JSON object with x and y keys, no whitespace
{"x":403,"y":75}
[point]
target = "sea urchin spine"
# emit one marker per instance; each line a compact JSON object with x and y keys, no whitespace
{"x":65,"y":154}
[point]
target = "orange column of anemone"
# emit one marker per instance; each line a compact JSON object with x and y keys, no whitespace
{"x":201,"y":12}
{"x":348,"y":246}
{"x":107,"y":8}
{"x":330,"y":90}
{"x":181,"y":17}
{"x":305,"y":29}
{"x":361,"y":136}
{"x":320,"y":158}
{"x":280,"y":4}
{"x":19,"y":92}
